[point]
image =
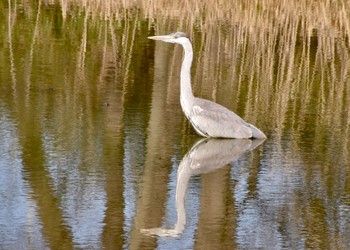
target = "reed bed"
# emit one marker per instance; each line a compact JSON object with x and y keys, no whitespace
{"x":276,"y":57}
{"x":286,"y":65}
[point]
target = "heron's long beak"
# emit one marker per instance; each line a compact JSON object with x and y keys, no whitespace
{"x":160,"y":38}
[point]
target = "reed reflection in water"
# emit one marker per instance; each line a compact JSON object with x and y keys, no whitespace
{"x":92,"y":133}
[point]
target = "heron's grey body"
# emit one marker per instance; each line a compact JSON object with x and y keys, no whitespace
{"x":208,"y":118}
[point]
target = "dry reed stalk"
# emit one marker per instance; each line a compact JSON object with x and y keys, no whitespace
{"x":10,"y":22}
{"x":29,"y":67}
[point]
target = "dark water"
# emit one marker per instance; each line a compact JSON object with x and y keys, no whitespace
{"x":95,"y":152}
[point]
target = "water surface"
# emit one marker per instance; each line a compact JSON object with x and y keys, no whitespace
{"x":96,"y":153}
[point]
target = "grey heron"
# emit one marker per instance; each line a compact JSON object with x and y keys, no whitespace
{"x":208,"y":118}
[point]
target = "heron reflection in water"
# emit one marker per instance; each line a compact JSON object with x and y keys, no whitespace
{"x":205,"y":156}
{"x":208,"y":118}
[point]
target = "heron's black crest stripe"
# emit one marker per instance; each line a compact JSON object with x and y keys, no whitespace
{"x":179,"y":34}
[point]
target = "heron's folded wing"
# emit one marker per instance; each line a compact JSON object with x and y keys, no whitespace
{"x":218,"y":121}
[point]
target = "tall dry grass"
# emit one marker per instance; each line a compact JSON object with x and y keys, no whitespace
{"x":273,"y":57}
{"x":282,"y":65}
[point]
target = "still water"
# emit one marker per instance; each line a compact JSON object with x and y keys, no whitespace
{"x":95,"y":152}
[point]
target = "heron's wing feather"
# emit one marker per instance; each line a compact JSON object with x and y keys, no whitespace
{"x":218,"y":121}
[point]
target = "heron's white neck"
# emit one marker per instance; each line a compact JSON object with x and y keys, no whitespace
{"x":186,"y":95}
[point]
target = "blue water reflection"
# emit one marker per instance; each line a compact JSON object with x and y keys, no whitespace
{"x":93,"y":139}
{"x":20,"y":226}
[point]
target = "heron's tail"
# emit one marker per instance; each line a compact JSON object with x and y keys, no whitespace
{"x":257,"y":133}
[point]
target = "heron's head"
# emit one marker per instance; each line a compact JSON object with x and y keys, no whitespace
{"x":176,"y":37}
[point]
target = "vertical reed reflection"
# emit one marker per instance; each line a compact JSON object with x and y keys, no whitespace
{"x":161,"y":134}
{"x":86,"y":93}
{"x":29,"y":127}
{"x":114,"y":135}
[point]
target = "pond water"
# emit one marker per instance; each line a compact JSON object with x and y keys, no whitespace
{"x":95,"y":152}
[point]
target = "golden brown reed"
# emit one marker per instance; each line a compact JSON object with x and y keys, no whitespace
{"x":287,"y":63}
{"x":279,"y":57}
